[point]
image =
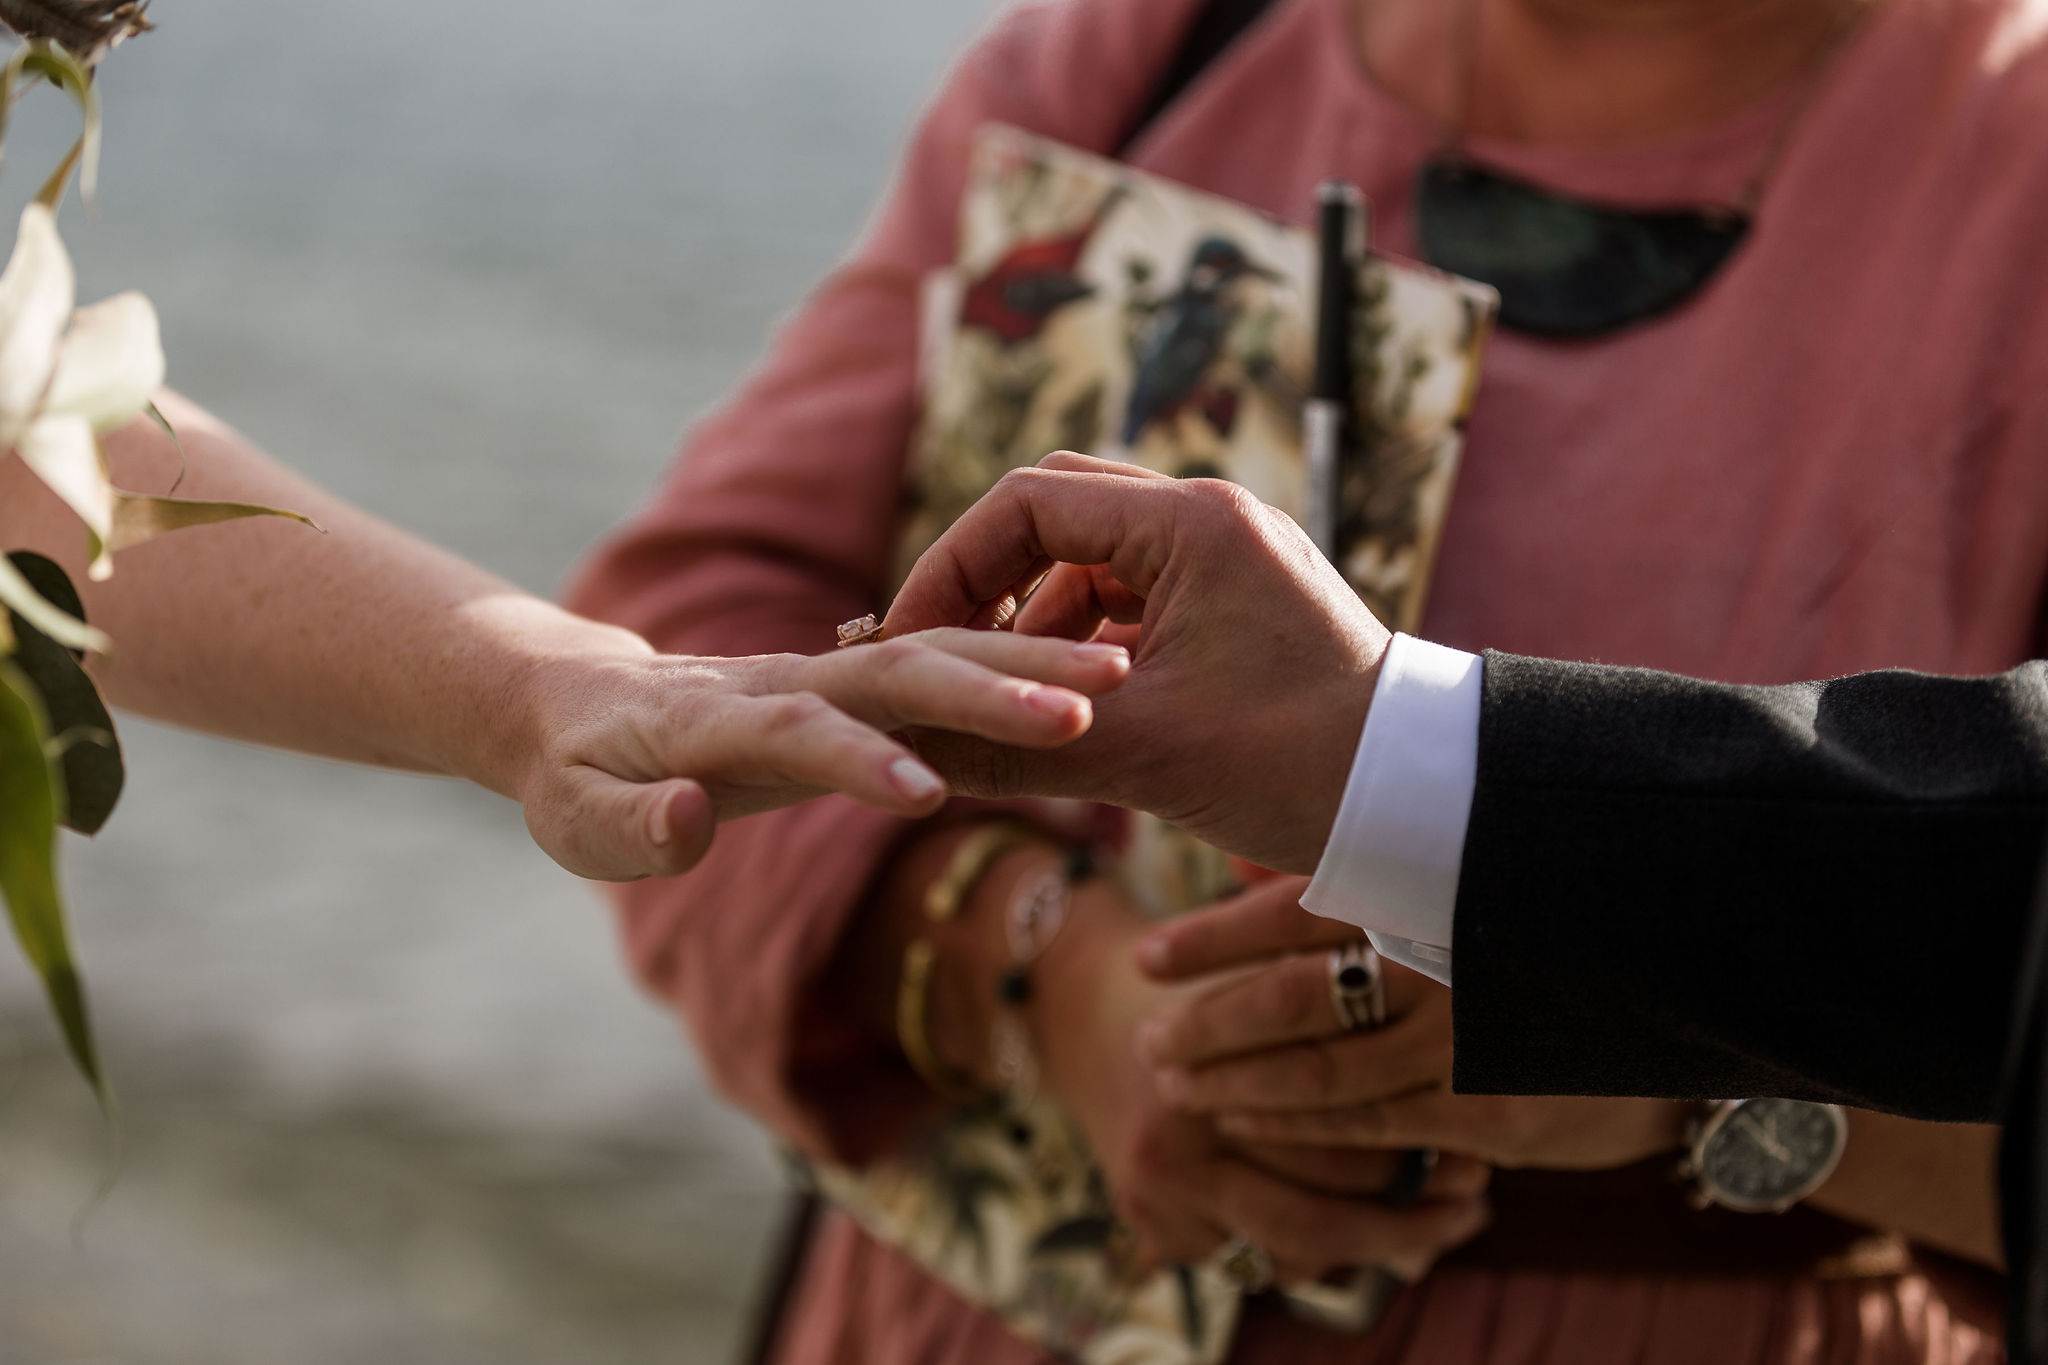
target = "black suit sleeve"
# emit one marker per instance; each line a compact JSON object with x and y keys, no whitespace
{"x":1695,"y":890}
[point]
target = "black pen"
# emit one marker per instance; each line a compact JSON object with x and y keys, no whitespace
{"x":1341,"y":227}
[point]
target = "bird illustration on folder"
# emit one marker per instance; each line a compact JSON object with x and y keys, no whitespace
{"x":1178,"y":349}
{"x":1017,"y":295}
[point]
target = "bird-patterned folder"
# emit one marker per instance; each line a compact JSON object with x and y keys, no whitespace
{"x":1099,"y":309}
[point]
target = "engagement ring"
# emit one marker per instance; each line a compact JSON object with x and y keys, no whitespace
{"x":866,"y":631}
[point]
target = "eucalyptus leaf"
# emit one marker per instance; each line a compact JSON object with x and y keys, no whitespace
{"x":32,"y":795}
{"x":20,"y":597}
{"x":50,"y":581}
{"x":83,"y":739}
{"x":138,"y":518}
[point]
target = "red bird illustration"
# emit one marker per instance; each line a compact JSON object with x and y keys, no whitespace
{"x":1015,"y":298}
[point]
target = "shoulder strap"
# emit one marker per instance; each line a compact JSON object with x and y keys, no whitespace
{"x":1216,"y":25}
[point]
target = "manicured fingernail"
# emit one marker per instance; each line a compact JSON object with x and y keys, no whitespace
{"x":914,"y":780}
{"x":661,"y":821}
{"x":1052,"y":701}
{"x":1152,"y":1040}
{"x":1100,"y":653}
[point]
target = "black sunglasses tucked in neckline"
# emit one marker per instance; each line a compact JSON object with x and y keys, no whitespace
{"x":1566,"y":267}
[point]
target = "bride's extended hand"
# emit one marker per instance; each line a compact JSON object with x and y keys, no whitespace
{"x":639,"y":756}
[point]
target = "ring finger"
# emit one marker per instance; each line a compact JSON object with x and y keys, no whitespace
{"x":1008,"y":688}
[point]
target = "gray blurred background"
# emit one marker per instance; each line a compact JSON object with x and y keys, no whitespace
{"x":388,"y":1095}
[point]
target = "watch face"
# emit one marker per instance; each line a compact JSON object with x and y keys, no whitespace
{"x":1766,"y":1154}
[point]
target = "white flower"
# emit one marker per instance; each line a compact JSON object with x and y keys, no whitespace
{"x":67,"y":378}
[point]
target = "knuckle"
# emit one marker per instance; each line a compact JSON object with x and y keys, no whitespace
{"x":1176,"y":1033}
{"x":901,"y":660}
{"x":1017,"y":483}
{"x":791,"y":711}
{"x":1220,"y":497}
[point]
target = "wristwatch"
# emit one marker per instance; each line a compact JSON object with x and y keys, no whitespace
{"x":1763,"y":1156}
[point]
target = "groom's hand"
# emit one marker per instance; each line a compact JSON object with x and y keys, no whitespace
{"x":1255,"y":662}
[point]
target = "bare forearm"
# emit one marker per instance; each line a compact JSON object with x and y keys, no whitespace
{"x":365,"y":644}
{"x":1931,"y":1181}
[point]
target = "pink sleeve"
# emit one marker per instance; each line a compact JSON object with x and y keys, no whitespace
{"x":775,"y":524}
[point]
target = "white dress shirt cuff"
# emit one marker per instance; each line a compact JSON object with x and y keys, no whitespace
{"x":1391,"y":866}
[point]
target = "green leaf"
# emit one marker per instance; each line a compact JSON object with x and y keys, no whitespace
{"x":17,"y":594}
{"x":138,"y":518}
{"x":83,"y":742}
{"x":31,"y":800}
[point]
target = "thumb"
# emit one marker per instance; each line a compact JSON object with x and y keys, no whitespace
{"x":607,"y":829}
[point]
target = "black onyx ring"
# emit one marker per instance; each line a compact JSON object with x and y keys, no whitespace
{"x":1358,"y":987}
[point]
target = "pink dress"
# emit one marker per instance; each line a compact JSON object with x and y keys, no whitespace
{"x":1836,"y":458}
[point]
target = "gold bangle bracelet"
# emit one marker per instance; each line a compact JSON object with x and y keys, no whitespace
{"x":971,"y":860}
{"x":913,"y":1035}
{"x":972,"y":857}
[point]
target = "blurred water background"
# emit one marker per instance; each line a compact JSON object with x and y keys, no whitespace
{"x":387,"y":1093}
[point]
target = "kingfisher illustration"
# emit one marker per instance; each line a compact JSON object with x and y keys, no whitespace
{"x":1018,"y":295}
{"x":1185,"y":339}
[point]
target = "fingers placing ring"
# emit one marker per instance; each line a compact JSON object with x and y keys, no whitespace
{"x":1246,"y":1265}
{"x":1358,"y":986}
